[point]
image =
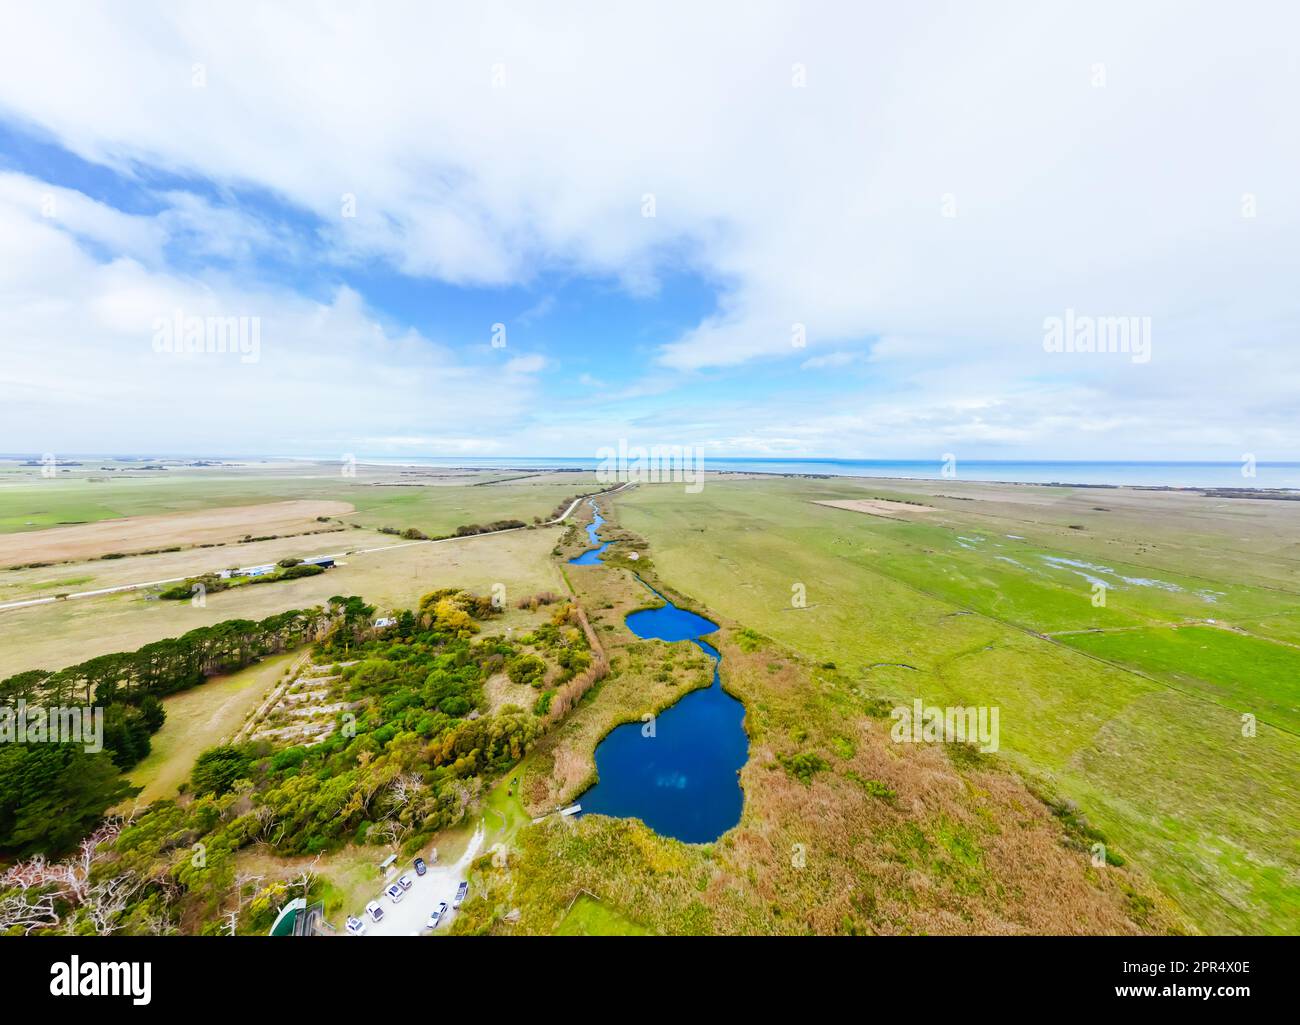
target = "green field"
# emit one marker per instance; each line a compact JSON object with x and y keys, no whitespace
{"x":1154,"y":757}
{"x":589,"y":917}
{"x":1245,"y":673}
{"x":197,"y":719}
{"x":436,"y":502}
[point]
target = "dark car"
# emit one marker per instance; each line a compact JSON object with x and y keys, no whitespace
{"x":420,"y":867}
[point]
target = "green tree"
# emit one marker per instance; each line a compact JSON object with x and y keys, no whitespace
{"x":51,"y":795}
{"x":217,"y":769}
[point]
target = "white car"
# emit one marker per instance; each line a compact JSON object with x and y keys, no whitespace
{"x":394,"y":893}
{"x":405,"y":882}
{"x":356,"y":926}
{"x":461,"y":891}
{"x":375,"y":912}
{"x":435,"y":916}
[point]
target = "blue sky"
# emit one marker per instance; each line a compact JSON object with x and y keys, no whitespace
{"x":862,"y":219}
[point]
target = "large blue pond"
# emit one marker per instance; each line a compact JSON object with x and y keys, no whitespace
{"x":681,"y":778}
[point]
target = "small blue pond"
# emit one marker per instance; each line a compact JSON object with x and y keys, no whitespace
{"x":682,"y":781}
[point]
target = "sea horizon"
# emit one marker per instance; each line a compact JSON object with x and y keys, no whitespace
{"x":1117,"y":473}
{"x":1153,"y":473}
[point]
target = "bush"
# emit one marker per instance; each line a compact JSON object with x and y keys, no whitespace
{"x":805,"y":766}
{"x":526,"y":669}
{"x":293,"y":572}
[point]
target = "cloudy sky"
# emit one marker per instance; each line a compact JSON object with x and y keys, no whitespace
{"x":534,"y":229}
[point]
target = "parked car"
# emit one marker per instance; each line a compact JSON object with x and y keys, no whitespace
{"x":406,"y":882}
{"x":395,"y":893}
{"x":375,"y":912}
{"x":461,"y":891}
{"x":420,"y":867}
{"x":435,"y":916}
{"x":356,"y":926}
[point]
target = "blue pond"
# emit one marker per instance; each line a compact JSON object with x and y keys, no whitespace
{"x":681,"y":781}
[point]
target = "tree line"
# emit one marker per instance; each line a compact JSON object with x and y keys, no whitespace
{"x":51,"y":794}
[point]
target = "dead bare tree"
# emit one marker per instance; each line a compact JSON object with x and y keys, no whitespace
{"x":403,"y":789}
{"x":391,"y":832}
{"x":40,"y":886}
{"x":27,"y":908}
{"x":104,"y":901}
{"x":307,"y":877}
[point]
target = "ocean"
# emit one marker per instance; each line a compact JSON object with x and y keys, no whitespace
{"x":1144,"y":474}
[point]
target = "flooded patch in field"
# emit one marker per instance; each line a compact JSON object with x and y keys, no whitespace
{"x":1081,"y":568}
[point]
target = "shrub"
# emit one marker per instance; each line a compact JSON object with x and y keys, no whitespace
{"x":805,"y":766}
{"x":293,"y":572}
{"x":526,"y":669}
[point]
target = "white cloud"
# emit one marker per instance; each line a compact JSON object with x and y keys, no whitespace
{"x":530,"y":364}
{"x":832,"y":360}
{"x":823,"y":206}
{"x":82,"y":217}
{"x":79,"y":350}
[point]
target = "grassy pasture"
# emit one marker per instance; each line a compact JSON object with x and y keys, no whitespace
{"x":1237,"y":671}
{"x":198,"y":719}
{"x":1163,"y":770}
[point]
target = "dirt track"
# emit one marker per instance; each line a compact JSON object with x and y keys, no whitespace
{"x":137,"y":533}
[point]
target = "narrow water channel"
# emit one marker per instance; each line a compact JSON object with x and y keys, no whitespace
{"x":680,"y":777}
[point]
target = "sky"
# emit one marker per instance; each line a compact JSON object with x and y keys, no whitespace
{"x":766,"y":229}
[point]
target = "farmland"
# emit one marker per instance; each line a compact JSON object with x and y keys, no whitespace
{"x":198,"y":507}
{"x":61,"y":633}
{"x":1143,"y":730}
{"x":872,"y":838}
{"x":433,"y":501}
{"x":1141,"y":648}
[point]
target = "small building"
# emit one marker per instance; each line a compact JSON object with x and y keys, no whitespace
{"x":384,"y":622}
{"x":297,"y":918}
